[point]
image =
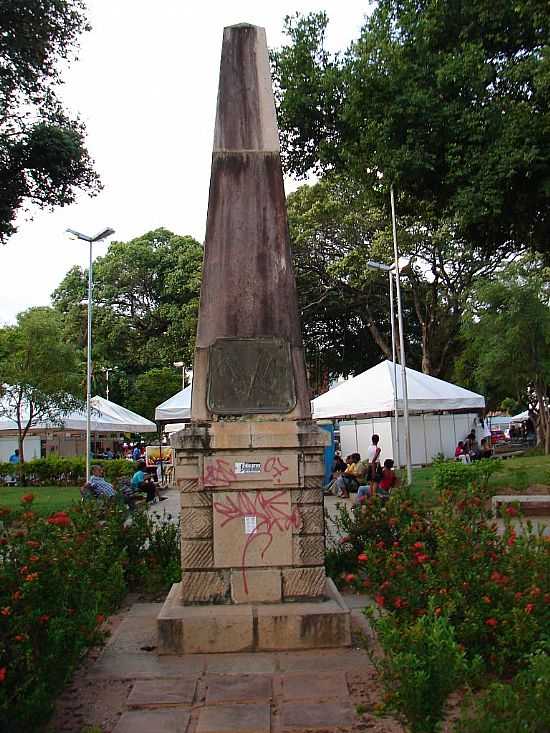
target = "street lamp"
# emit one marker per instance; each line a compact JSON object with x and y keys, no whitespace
{"x":181,"y":364}
{"x":106,"y":371}
{"x":91,"y":240}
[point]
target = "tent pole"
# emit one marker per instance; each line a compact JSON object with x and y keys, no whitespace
{"x":395,"y":431}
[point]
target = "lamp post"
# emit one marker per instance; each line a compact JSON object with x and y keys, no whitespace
{"x":106,"y":371}
{"x":395,"y":433}
{"x":91,"y":240}
{"x":181,"y":364}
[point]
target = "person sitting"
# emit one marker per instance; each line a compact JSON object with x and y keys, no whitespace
{"x":471,"y":447}
{"x":460,"y":453}
{"x":348,"y":480}
{"x":389,"y":480}
{"x":97,"y":486}
{"x":142,"y":481}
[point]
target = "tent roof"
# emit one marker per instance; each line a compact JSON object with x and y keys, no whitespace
{"x":373,"y":392}
{"x":520,"y":417}
{"x":106,"y":417}
{"x":177,"y":408}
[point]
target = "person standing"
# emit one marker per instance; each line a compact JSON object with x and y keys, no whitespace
{"x":14,"y":458}
{"x":373,"y":458}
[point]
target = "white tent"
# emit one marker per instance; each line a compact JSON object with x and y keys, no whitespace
{"x":441,"y":413}
{"x":106,"y":417}
{"x":521,"y":417}
{"x":175,"y":409}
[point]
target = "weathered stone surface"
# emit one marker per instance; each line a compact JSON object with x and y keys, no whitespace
{"x":321,"y":686}
{"x":302,"y":626}
{"x":234,"y":719}
{"x":196,"y":522}
{"x":308,"y":550}
{"x":326,"y":717}
{"x":250,"y":470}
{"x":162,"y":693}
{"x":196,"y":554}
{"x":196,"y":499}
{"x":312,"y":520}
{"x":159,"y":721}
{"x":202,"y":586}
{"x":262,"y":586}
{"x":236,"y":544}
{"x":303,"y":582}
{"x":243,"y":688}
{"x":311,"y":495}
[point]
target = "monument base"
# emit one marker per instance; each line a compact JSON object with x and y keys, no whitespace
{"x":253,"y":627}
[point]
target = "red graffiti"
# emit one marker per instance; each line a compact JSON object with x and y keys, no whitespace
{"x":219,"y":473}
{"x":270,"y":516}
{"x":275,"y":467}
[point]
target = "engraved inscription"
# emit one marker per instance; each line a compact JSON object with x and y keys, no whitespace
{"x":248,"y":376}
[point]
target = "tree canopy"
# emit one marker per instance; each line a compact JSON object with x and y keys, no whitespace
{"x":449,"y":101}
{"x":43,"y":158}
{"x":41,"y":374}
{"x":146,"y":294}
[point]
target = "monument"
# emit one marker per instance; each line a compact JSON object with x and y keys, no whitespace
{"x":249,"y":465}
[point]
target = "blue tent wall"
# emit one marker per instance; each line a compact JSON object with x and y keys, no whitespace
{"x":329,"y":452}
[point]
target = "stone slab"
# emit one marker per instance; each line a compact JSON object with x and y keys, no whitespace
{"x":262,"y":586}
{"x":321,"y":624}
{"x":252,"y":663}
{"x":245,"y":688}
{"x":322,"y":686}
{"x":234,"y":719}
{"x":201,"y":586}
{"x":163,"y":692}
{"x":237,"y":544}
{"x":113,"y":665}
{"x":318,"y":717}
{"x":154,"y":721}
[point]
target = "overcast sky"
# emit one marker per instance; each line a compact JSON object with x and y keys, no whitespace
{"x":145,"y":85}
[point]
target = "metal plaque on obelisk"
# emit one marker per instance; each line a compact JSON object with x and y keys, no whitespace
{"x":249,"y":465}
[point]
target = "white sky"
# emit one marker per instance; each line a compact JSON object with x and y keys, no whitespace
{"x":145,"y":85}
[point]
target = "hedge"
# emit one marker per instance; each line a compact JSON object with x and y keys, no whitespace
{"x":59,"y":471}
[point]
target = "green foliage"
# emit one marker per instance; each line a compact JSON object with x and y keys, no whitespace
{"x":56,"y":470}
{"x":449,"y":102}
{"x":422,"y":665}
{"x":146,"y":295}
{"x":456,"y":476}
{"x":43,"y":158}
{"x":39,"y":371}
{"x":151,"y":388}
{"x":521,"y":705}
{"x":59,"y":579}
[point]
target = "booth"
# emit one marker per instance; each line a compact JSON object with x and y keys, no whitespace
{"x":440,"y":413}
{"x":175,"y":411}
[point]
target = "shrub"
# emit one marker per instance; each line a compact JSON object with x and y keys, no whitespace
{"x":56,"y":470}
{"x":509,"y":708}
{"x":422,"y":665}
{"x":59,"y":578}
{"x":456,"y":476}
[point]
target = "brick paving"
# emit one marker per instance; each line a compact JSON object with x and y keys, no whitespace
{"x":128,"y":688}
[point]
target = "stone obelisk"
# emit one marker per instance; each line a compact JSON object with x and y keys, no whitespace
{"x":249,"y":465}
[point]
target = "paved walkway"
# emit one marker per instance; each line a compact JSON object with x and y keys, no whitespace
{"x":127,"y":688}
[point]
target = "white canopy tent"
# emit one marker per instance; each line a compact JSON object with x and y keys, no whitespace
{"x":176,"y":409}
{"x":106,"y":417}
{"x":441,"y":413}
{"x":520,"y":417}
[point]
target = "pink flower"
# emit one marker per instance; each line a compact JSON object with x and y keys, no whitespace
{"x":362,"y":557}
{"x":492,"y":622}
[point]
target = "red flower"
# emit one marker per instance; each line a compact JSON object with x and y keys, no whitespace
{"x":380,"y":600}
{"x":34,"y":558}
{"x":529,"y":608}
{"x":492,"y":622}
{"x":421,"y":558}
{"x":6,"y":611}
{"x":381,"y":545}
{"x":17,"y":595}
{"x":60,"y":519}
{"x":33,"y":543}
{"x":437,"y":611}
{"x":362,"y":557}
{"x":2,"y":674}
{"x":487,"y":600}
{"x":30,"y":577}
{"x":535,"y":592}
{"x":418,"y":545}
{"x":21,"y":637}
{"x":400,"y":602}
{"x":511,"y":511}
{"x":518,"y":596}
{"x":3,"y":541}
{"x":100,"y":618}
{"x":43,"y":619}
{"x":511,"y":541}
{"x":27,"y":499}
{"x":349,"y":578}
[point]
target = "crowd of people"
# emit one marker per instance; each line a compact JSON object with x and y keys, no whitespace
{"x":367,"y":477}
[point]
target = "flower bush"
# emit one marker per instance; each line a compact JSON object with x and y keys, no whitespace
{"x":59,"y":578}
{"x":452,"y":561}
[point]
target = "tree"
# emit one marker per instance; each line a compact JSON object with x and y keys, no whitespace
{"x":43,"y":159}
{"x":450,"y":101}
{"x":146,"y":294}
{"x":151,"y":388}
{"x":39,"y":372}
{"x":507,"y":340}
{"x":336,"y":227}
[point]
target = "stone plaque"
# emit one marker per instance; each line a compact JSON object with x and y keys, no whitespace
{"x":249,"y":376}
{"x":253,"y":528}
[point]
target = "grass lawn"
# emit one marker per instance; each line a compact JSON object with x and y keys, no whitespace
{"x":515,"y":473}
{"x":47,"y":499}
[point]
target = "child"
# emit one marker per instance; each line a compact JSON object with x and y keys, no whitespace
{"x":388,"y":481}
